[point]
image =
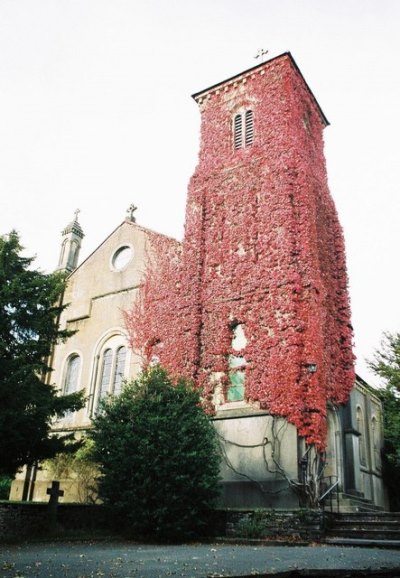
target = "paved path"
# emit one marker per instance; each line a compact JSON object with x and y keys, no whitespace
{"x":129,"y":560}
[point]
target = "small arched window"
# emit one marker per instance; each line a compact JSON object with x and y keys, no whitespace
{"x":237,"y":364}
{"x":63,"y":247}
{"x":376,"y":439}
{"x":243,"y":129}
{"x":119,"y":370}
{"x":73,"y":254}
{"x":105,"y":373}
{"x":361,"y":440}
{"x":72,"y":373}
{"x":238,"y":131}
{"x":249,"y":128}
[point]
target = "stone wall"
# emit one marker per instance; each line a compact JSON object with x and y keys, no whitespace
{"x":31,"y":519}
{"x":299,"y":525}
{"x":23,"y":521}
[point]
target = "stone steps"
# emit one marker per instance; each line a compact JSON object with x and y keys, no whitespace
{"x":395,"y":544}
{"x":381,"y":529}
{"x":348,"y":503}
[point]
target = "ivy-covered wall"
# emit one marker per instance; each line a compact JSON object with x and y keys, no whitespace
{"x":263,"y":251}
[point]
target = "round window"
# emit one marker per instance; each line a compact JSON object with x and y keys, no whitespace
{"x":121,"y":257}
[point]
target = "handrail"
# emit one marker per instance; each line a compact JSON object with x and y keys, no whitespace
{"x":328,"y":491}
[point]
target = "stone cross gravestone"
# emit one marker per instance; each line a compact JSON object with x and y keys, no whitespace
{"x":54,"y":492}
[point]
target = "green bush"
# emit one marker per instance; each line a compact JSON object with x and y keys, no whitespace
{"x":159,"y":458}
{"x":5,"y":486}
{"x":253,"y":525}
{"x":78,"y":466}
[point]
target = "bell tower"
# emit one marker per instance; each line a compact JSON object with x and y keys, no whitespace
{"x":72,"y":237}
{"x":264,"y":251}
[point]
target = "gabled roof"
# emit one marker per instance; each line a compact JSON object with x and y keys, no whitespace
{"x":149,"y":232}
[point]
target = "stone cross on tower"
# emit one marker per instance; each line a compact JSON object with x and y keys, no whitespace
{"x":261,"y":53}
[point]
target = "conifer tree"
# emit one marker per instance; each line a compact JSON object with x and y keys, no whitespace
{"x":29,"y":313}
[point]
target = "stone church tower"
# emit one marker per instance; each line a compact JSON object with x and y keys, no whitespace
{"x":263,"y":253}
{"x":254,"y":306}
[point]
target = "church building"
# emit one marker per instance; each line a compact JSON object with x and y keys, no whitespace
{"x":252,"y":306}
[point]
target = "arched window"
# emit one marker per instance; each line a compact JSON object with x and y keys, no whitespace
{"x":63,"y":247}
{"x":249,"y":128}
{"x":109,"y":369}
{"x":237,"y":363}
{"x":105,"y":374}
{"x":238,"y":131}
{"x":243,"y":138}
{"x":73,"y":255}
{"x":361,"y":440}
{"x":72,"y":374}
{"x":376,"y":439}
{"x":119,"y":370}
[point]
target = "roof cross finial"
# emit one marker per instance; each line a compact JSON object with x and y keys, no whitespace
{"x":261,"y":53}
{"x":130,"y":211}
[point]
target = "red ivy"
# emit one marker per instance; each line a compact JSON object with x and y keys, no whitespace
{"x":263,"y":247}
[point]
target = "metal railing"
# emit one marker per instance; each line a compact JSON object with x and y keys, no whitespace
{"x":329,"y":493}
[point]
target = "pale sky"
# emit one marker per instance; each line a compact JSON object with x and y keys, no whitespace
{"x":96,"y":113}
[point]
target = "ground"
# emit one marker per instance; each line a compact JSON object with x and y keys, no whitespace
{"x":125,"y":560}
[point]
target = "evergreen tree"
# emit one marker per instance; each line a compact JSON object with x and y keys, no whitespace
{"x":386,"y":364}
{"x":158,"y":456}
{"x":29,"y":312}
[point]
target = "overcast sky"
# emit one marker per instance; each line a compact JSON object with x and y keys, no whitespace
{"x":96,"y":113}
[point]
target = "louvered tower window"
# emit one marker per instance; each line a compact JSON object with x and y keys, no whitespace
{"x":238,"y":131}
{"x":249,"y":128}
{"x":243,"y":129}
